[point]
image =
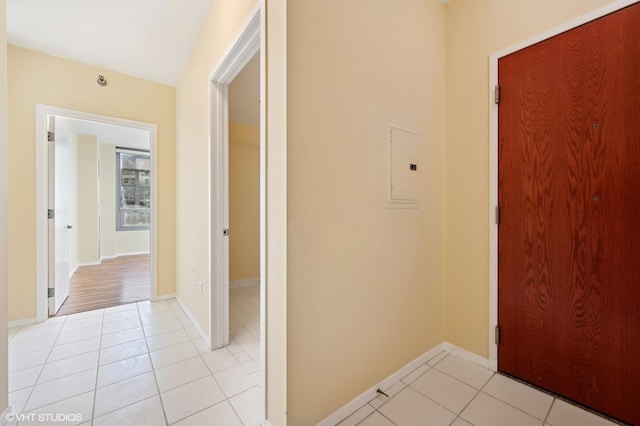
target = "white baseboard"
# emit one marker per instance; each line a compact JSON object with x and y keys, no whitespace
{"x":371,"y":393}
{"x":493,"y":364}
{"x":134,"y":253}
{"x":22,"y":322}
{"x":205,"y":337}
{"x":245,"y":282}
{"x":90,"y":263}
{"x":468,"y":355}
{"x":165,"y":297}
{"x":115,"y":256}
{"x":72,"y":270}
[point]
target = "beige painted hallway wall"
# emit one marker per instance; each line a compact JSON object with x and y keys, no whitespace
{"x":364,"y":283}
{"x":471,"y":36}
{"x":38,"y":78}
{"x":244,"y":202}
{"x":107,"y":200}
{"x":88,"y":195}
{"x":4,"y":197}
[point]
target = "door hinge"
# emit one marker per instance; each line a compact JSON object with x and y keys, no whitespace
{"x":225,"y":232}
{"x":51,"y":214}
{"x":497,"y":215}
{"x":497,"y":337}
{"x":496,"y":95}
{"x":51,"y":292}
{"x":51,"y":137}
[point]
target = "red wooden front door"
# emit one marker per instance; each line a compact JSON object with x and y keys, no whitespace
{"x":569,"y":196}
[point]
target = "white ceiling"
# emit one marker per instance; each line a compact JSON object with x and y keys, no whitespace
{"x":148,"y":39}
{"x":120,"y":136}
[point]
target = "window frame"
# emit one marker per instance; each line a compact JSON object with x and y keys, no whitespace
{"x":120,"y":227}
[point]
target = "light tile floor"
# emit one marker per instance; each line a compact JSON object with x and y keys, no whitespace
{"x":448,"y":390}
{"x":141,"y":363}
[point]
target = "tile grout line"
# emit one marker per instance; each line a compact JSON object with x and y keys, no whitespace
{"x":35,"y":383}
{"x":153,"y":368}
{"x":382,"y":414}
{"x":95,"y":383}
{"x":544,"y":422}
{"x":62,"y":359}
{"x":130,"y":357}
{"x":459,"y":416}
{"x":242,"y":349}
{"x":511,"y":405}
{"x":478,"y":390}
{"x":192,"y":381}
{"x":456,"y":415}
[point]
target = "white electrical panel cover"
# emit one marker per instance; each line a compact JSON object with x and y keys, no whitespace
{"x":402,"y":185}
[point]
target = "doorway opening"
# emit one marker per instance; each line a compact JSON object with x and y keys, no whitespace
{"x":96,"y":186}
{"x":237,"y":84}
{"x":244,"y":208}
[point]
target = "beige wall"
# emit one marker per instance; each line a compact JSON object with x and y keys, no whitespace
{"x":132,"y":242}
{"x":192,"y":155}
{"x":244,"y":202}
{"x":4,"y":166}
{"x":88,"y":199}
{"x":38,"y":78}
{"x":115,"y":243}
{"x":107,"y":200}
{"x":474,"y":30}
{"x":364,"y":283}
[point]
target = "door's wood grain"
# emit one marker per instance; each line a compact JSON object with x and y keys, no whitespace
{"x":569,"y":193}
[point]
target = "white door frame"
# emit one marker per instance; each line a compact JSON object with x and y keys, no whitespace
{"x":244,"y":46}
{"x":249,"y":41}
{"x":42,"y":179}
{"x":493,"y":155}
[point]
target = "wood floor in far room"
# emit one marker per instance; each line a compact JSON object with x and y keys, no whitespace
{"x":118,"y":281}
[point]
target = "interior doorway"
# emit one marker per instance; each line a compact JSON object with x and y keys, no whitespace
{"x":109,"y":166}
{"x":245,"y":47}
{"x":244,"y":176}
{"x":244,"y":213}
{"x":568,"y":191}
